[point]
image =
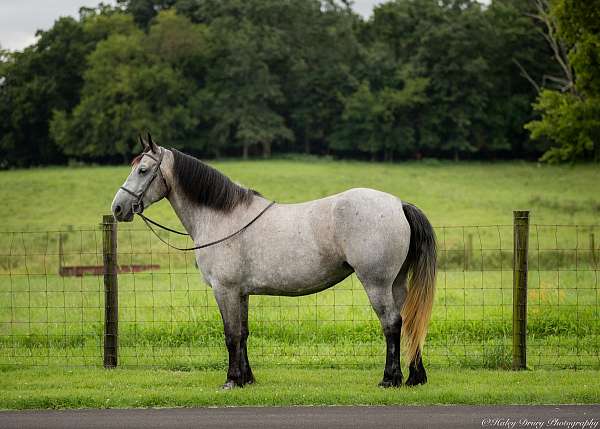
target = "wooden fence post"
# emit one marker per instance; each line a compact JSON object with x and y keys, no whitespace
{"x":520,"y":252}
{"x":111,"y":291}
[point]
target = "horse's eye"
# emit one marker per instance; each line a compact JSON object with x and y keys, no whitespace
{"x":142,"y":170}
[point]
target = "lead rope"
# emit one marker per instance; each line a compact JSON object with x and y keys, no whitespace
{"x":166,"y":228}
{"x":148,"y":221}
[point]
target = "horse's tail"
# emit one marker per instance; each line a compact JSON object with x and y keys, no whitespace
{"x":421,"y":265}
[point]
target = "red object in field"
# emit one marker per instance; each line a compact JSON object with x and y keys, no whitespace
{"x":98,"y":270}
{"x":95,"y":270}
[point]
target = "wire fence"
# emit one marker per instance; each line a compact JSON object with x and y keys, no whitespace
{"x":53,"y":305}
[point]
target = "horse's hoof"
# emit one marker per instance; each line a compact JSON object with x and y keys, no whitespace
{"x":229,"y":384}
{"x":395,"y":382}
{"x":416,"y":380}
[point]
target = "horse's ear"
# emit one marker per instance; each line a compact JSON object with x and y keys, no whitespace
{"x":143,"y":143}
{"x":151,"y":144}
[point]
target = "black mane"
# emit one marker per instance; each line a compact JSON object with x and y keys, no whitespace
{"x":207,"y":186}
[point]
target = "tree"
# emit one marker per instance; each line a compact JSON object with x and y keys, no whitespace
{"x":242,"y":94}
{"x":381,"y":120}
{"x":443,"y":78}
{"x":45,"y":76}
{"x":323,"y":53}
{"x":452,"y":54}
{"x":570,"y":116}
{"x":303,"y":52}
{"x":144,"y":11}
{"x":132,"y":85}
{"x":518,"y":52}
{"x":99,"y":24}
{"x":572,"y":124}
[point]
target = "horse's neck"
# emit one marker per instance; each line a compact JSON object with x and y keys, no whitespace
{"x":197,"y":219}
{"x":201,"y":222}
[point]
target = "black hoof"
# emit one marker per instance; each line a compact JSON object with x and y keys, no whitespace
{"x":248,"y":377}
{"x":230,"y":384}
{"x":414,"y":379}
{"x":393,"y":381}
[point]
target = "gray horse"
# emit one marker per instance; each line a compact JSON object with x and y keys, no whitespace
{"x":295,"y":249}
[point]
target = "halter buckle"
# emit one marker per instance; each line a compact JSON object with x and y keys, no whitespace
{"x":137,"y":207}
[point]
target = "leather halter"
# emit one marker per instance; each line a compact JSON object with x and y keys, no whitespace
{"x":138,"y":205}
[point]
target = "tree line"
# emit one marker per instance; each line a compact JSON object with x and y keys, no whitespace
{"x":420,"y":78}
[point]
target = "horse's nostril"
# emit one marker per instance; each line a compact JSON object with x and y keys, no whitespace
{"x":118,"y":209}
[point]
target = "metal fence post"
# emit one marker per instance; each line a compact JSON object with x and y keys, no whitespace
{"x":521,"y":247}
{"x":111,"y":291}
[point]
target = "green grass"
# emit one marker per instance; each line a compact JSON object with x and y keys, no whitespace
{"x":449,"y":193}
{"x":97,"y":388}
{"x":171,"y":320}
{"x":168,"y":318}
{"x":471,"y":205}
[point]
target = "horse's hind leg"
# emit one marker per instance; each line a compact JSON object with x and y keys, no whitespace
{"x":417,"y":374}
{"x":230,"y":305}
{"x":381,"y":297}
{"x":247,"y":376}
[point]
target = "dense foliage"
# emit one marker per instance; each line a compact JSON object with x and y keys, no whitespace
{"x":255,"y":77}
{"x":571,"y":117}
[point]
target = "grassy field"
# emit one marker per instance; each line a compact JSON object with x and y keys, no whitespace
{"x":96,"y":388}
{"x":449,"y":193}
{"x":169,"y":320}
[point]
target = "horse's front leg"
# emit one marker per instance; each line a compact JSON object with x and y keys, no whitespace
{"x":247,"y":375}
{"x":230,"y":305}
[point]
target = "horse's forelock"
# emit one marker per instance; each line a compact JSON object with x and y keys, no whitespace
{"x":135,"y":161}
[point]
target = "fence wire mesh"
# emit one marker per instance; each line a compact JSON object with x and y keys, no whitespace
{"x":52,"y":304}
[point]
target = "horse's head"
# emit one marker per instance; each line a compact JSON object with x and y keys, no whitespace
{"x":145,"y":185}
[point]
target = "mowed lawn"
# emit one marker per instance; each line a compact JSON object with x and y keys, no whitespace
{"x":97,"y":388}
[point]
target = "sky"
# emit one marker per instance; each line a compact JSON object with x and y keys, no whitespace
{"x":20,"y":19}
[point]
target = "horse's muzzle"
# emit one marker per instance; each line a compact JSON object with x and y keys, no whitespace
{"x":122,"y":214}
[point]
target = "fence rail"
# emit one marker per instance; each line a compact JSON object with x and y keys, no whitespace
{"x":507,"y":296}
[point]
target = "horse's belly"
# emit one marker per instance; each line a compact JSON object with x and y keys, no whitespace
{"x":297,"y":282}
